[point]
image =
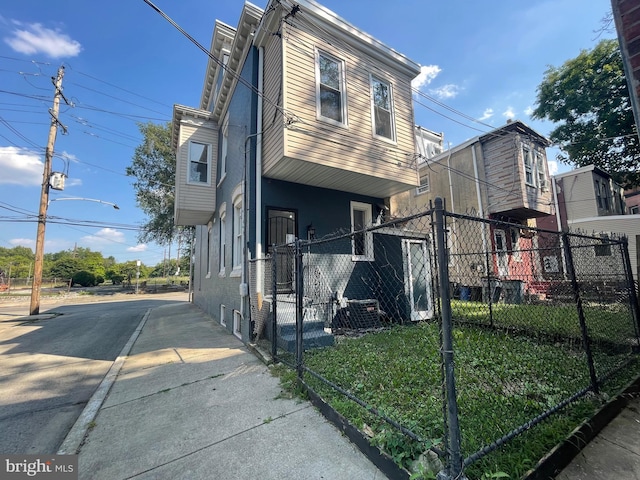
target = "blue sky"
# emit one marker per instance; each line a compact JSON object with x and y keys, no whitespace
{"x":125,"y":64}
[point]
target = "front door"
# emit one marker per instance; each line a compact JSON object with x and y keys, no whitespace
{"x":281,"y":228}
{"x":417,"y":278}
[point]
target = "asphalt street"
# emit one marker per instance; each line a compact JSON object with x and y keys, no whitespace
{"x":51,"y":365}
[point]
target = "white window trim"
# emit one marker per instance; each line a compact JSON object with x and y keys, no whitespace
{"x":237,"y":234}
{"x":532,"y":165}
{"x":237,"y":324}
{"x":222,"y":245}
{"x":209,"y":246}
{"x":541,"y":171}
{"x":343,"y":89}
{"x":223,"y":315}
{"x":393,"y":138}
{"x":367,"y":208}
{"x":191,"y":182}
{"x":423,"y":188}
{"x":224,"y":148}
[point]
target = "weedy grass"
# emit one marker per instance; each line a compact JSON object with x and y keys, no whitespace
{"x":503,"y":379}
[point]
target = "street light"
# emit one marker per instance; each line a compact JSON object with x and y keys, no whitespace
{"x":34,"y":306}
{"x":85,"y":199}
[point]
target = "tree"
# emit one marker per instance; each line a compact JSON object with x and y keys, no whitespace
{"x":154,"y":167}
{"x":587,"y":97}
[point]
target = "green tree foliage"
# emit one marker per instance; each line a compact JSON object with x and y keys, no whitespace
{"x":65,"y":267}
{"x":84,"y":279}
{"x":588,"y":99}
{"x":17,"y":259}
{"x":154,"y":169}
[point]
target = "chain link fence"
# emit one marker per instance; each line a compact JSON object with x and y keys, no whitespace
{"x":448,"y":336}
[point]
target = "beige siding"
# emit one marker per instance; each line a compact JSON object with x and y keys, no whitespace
{"x":579,"y":195}
{"x":194,"y":204}
{"x":353,"y":148}
{"x":272,"y":121}
{"x":628,"y":225}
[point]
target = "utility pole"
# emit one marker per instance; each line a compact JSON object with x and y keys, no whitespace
{"x":34,"y":307}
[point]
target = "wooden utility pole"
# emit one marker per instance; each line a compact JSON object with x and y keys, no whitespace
{"x":34,"y":307}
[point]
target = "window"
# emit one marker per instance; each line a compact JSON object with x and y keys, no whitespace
{"x":237,"y":234}
{"x":605,"y":195}
{"x":540,"y":170}
{"x":223,"y":315}
{"x":596,"y":187}
{"x":634,"y":210}
{"x":382,"y":109}
{"x":330,"y":89}
{"x":237,"y":324}
{"x":199,"y":161}
{"x":223,"y":240}
{"x":224,"y":146}
{"x":361,"y":241}
{"x":424,"y":183}
{"x":528,"y":166}
{"x":208,"y":253}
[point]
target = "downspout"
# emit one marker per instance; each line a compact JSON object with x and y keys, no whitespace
{"x":258,"y":213}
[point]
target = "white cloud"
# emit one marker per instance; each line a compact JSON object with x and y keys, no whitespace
{"x":102,"y":237}
{"x":34,"y":38}
{"x":553,"y":167}
{"x":426,"y":76}
{"x":23,"y":242}
{"x":488,"y":113}
{"x":138,"y":248}
{"x":528,"y":111}
{"x":73,"y":182}
{"x":20,"y":166}
{"x":509,"y":113}
{"x":446,"y":91}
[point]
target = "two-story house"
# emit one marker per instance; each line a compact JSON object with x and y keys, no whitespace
{"x":305,"y":126}
{"x":501,"y":175}
{"x":589,"y":201}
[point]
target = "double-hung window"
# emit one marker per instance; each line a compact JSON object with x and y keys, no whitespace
{"x":237,"y":234}
{"x":527,"y":156}
{"x":541,"y":172}
{"x":199,"y":163}
{"x":382,"y":109}
{"x":330,"y":89}
{"x":424,"y":182}
{"x":222,"y":262}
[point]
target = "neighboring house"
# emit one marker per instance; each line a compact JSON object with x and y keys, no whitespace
{"x":501,"y":175}
{"x":589,"y":201}
{"x":632,"y":200}
{"x":305,"y":126}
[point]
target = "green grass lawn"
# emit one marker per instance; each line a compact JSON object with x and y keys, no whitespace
{"x":504,"y":379}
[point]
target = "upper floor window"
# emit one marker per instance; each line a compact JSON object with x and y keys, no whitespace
{"x":424,"y":182}
{"x":224,"y":147}
{"x":382,"y":109}
{"x":535,"y":173}
{"x":236,"y":246}
{"x":634,"y":210}
{"x":222,"y":254}
{"x":330,"y":89}
{"x":361,"y":241}
{"x":199,"y":162}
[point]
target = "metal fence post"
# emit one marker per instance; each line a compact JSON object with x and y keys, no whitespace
{"x":578,"y":299}
{"x":455,"y":462}
{"x":299,"y":306}
{"x":274,"y":320}
{"x":633,"y":298}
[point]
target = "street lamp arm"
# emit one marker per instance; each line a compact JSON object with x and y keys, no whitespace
{"x":86,"y":199}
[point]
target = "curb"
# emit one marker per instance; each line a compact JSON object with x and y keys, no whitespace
{"x":75,"y":438}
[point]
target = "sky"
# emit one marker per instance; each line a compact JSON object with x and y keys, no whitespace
{"x":125,"y":65}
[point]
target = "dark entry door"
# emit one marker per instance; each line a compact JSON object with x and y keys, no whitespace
{"x":281,"y":228}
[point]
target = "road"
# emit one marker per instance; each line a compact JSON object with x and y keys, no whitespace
{"x":50,"y":367}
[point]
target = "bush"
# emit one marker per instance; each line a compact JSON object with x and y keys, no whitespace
{"x":84,"y":279}
{"x":99,"y":279}
{"x":117,"y":279}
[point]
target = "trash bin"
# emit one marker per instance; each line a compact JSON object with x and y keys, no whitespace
{"x":465,"y":293}
{"x":513,"y":291}
{"x":491,"y":290}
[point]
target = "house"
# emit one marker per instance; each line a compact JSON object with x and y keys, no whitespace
{"x":305,"y":126}
{"x":501,"y":175}
{"x":589,"y":201}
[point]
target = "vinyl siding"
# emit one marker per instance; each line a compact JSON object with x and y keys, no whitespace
{"x":312,"y":143}
{"x":579,"y":196}
{"x":272,"y":121}
{"x":194,"y":204}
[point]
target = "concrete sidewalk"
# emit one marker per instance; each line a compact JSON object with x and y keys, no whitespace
{"x":189,"y":401}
